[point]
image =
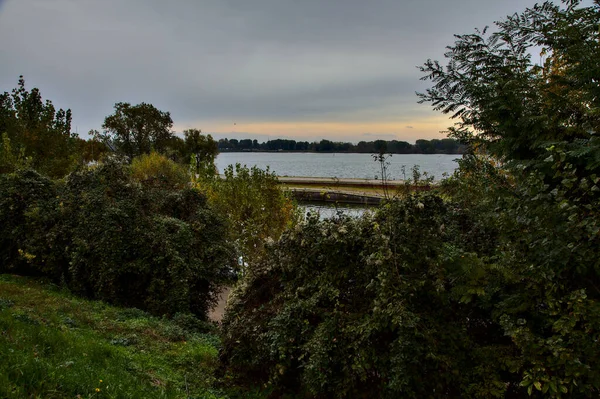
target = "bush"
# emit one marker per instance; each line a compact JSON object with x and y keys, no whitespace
{"x":367,"y":308}
{"x":9,"y":160}
{"x":253,"y":203}
{"x":28,"y":204}
{"x":157,"y":170}
{"x":546,"y":296}
{"x":491,"y":293}
{"x":109,"y":238}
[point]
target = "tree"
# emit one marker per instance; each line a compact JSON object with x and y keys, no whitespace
{"x":37,"y":130}
{"x":138,"y":129}
{"x":325,"y":146}
{"x":541,"y":121}
{"x":424,"y":146}
{"x":245,"y":144}
{"x":156,"y":170}
{"x":254,"y":204}
{"x":203,"y":148}
{"x":380,"y":146}
{"x":11,"y":160}
{"x":92,"y":149}
{"x":515,"y":107}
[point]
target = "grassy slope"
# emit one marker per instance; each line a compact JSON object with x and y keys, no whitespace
{"x":54,"y":345}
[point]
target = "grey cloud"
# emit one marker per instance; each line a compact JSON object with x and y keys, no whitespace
{"x":310,"y":102}
{"x":261,"y":60}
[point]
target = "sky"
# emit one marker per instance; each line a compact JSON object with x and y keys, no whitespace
{"x":343,"y":70}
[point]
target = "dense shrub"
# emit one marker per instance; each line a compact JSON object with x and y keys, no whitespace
{"x":111,"y":238}
{"x":490,"y":293}
{"x":28,"y":204}
{"x":254,"y":204}
{"x":545,"y":294}
{"x":157,"y":170}
{"x":11,"y":160}
{"x":367,"y":308}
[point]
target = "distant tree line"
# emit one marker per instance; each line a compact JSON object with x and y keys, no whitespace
{"x":435,"y":146}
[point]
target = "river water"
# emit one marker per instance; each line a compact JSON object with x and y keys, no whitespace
{"x":358,"y":166}
{"x":329,"y":210}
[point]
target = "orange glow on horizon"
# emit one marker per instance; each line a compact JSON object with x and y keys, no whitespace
{"x":426,"y":128}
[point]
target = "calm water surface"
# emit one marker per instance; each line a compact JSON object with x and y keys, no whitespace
{"x":359,"y":166}
{"x":329,"y":210}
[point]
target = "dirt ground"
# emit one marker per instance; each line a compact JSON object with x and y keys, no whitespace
{"x":216,"y":314}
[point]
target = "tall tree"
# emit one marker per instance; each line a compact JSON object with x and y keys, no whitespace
{"x":36,"y":129}
{"x":541,"y":118}
{"x":138,"y":129}
{"x":202,"y":147}
{"x":514,"y":106}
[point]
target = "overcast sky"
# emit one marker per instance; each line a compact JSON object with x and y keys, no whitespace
{"x":302,"y":69}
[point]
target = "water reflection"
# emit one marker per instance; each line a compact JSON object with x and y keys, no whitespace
{"x":360,"y":166}
{"x":328,"y":210}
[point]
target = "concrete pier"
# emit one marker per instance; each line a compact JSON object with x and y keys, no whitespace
{"x":343,"y":191}
{"x":335,"y":182}
{"x":316,"y":195}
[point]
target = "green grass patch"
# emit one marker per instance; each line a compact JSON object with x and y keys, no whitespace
{"x":54,"y":345}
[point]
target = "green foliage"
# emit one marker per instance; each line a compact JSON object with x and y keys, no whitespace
{"x":37,"y":131}
{"x":157,"y":170}
{"x":202,"y":150}
{"x":27,"y":213}
{"x":106,"y":237}
{"x":504,"y":100}
{"x":493,"y":292}
{"x":366,"y":308}
{"x":93,"y":149}
{"x":542,"y":121}
{"x":138,"y":129}
{"x":11,"y":160}
{"x":253,"y":203}
{"x":545,"y":292}
{"x":54,"y":345}
{"x":169,"y":247}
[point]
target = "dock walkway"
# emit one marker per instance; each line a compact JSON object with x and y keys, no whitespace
{"x":332,"y":181}
{"x":343,"y":191}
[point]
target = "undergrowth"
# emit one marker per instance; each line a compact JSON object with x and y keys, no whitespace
{"x":54,"y":345}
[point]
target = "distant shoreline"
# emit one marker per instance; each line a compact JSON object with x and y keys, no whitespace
{"x":421,"y":146}
{"x":339,"y":152}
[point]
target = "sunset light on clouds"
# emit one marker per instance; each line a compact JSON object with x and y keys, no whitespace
{"x":426,"y":128}
{"x":339,"y":69}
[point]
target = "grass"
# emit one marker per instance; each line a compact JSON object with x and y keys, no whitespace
{"x":54,"y":345}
